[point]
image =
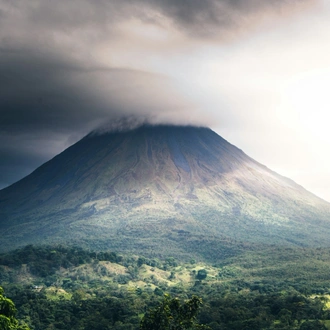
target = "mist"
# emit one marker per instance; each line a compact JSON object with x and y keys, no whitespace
{"x":235,"y":66}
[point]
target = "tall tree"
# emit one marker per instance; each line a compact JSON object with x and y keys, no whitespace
{"x":8,"y":313}
{"x":172,"y":314}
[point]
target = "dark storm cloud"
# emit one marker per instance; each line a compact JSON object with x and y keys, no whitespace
{"x":39,"y":92}
{"x":54,"y":89}
{"x":46,"y":93}
{"x":49,"y":78}
{"x":33,"y":91}
{"x":48,"y":103}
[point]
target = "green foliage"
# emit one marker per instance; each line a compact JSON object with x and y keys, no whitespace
{"x":172,"y":276}
{"x":201,"y":274}
{"x":264,"y":289}
{"x":8,"y":313}
{"x":45,"y":260}
{"x":171,"y":314}
{"x":158,"y":292}
{"x":313,"y":325}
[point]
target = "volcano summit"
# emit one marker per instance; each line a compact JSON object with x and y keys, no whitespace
{"x":161,"y":189}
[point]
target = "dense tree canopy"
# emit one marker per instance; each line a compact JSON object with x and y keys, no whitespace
{"x":67,"y":288}
{"x":7,"y":314}
{"x":172,"y":314}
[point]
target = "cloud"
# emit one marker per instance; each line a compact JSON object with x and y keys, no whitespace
{"x":57,"y":94}
{"x":67,"y":67}
{"x":75,"y":28}
{"x":223,"y":18}
{"x":53,"y":72}
{"x":49,"y":102}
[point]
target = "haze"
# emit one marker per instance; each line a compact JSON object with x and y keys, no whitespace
{"x":256,"y":72}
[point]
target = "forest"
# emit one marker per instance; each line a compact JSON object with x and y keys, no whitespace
{"x":62,"y":287}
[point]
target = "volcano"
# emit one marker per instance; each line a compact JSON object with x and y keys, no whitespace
{"x":165,"y":189}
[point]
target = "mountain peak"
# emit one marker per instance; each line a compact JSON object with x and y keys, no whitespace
{"x":128,"y":125}
{"x":145,"y":183}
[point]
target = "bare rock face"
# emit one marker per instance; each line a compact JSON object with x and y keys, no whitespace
{"x":162,"y":189}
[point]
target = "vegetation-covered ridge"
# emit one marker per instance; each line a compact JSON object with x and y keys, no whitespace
{"x":57,"y":287}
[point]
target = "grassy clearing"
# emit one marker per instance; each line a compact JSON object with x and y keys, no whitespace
{"x":54,"y":293}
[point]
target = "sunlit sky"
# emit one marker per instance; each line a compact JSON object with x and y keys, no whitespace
{"x":257,"y":72}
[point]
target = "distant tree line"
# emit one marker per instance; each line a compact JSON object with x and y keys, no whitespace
{"x":115,"y":302}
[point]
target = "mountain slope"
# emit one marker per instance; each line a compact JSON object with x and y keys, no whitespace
{"x":158,"y":184}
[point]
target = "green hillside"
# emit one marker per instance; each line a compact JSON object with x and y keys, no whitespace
{"x":70,"y":288}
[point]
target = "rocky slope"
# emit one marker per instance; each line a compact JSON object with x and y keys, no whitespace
{"x":144,"y":188}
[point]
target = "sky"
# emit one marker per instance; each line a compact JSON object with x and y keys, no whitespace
{"x":255,"y":71}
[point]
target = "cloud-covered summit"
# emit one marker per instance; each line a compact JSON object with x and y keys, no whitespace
{"x":66,"y":63}
{"x":67,"y":67}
